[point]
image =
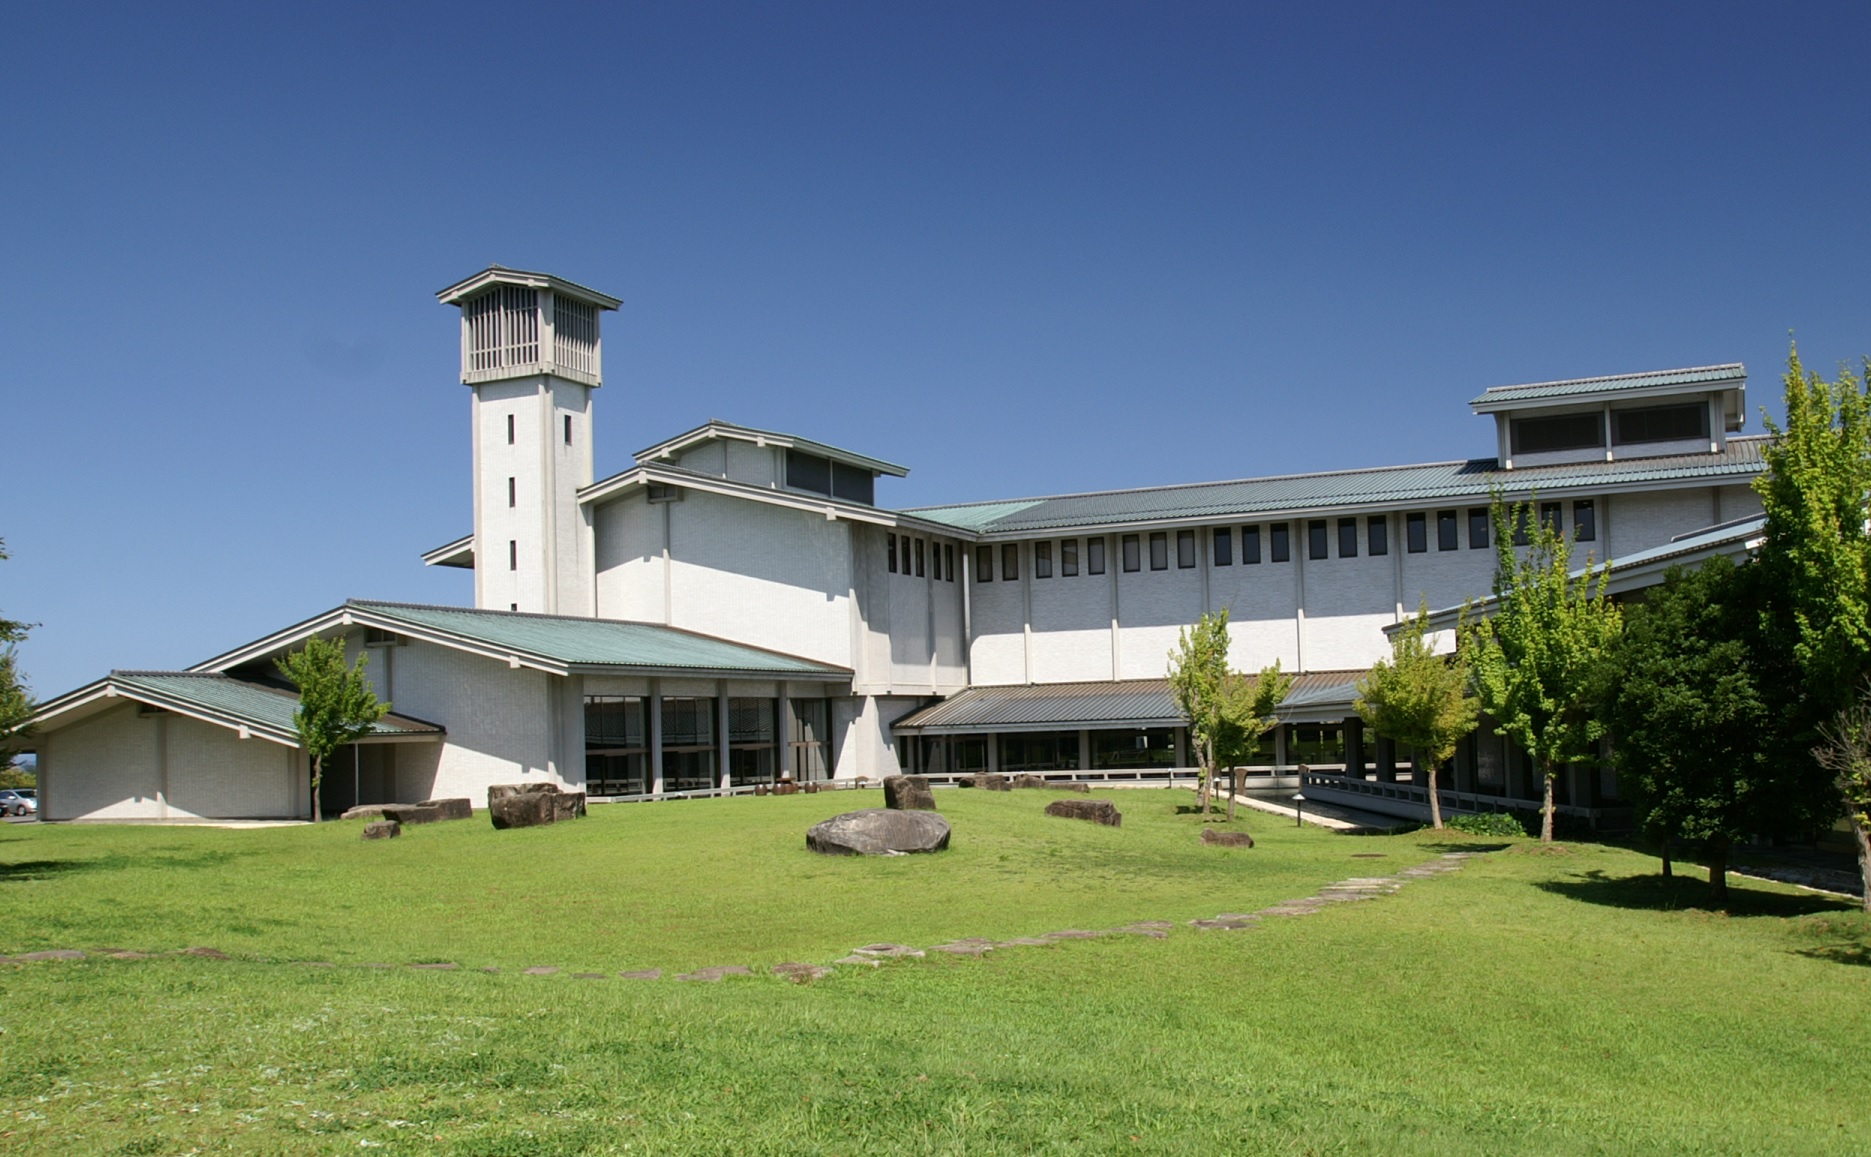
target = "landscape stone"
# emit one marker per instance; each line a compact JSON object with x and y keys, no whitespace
{"x":908,"y":793}
{"x":506,"y":790}
{"x":538,"y":803}
{"x":1029,"y":780}
{"x":959,"y":949}
{"x":382,"y":830}
{"x":1073,"y":934}
{"x":801,"y":973}
{"x":1098,"y":811}
{"x":643,"y":974}
{"x":854,"y":959}
{"x":539,"y":970}
{"x":1227,"y":839}
{"x":882,"y":951}
{"x":879,"y":832}
{"x":454,"y":808}
{"x":412,"y":813}
{"x":1071,"y":785}
{"x":48,"y":954}
{"x":437,"y":966}
{"x":208,"y":953}
{"x":364,"y":811}
{"x":989,"y":782}
{"x":713,"y":975}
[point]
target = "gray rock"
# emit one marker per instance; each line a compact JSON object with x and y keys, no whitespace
{"x":382,"y":830}
{"x":412,"y":813}
{"x":908,"y":793}
{"x":1098,"y":811}
{"x":437,"y":966}
{"x":504,"y":790}
{"x":460,"y":808}
{"x":714,"y":975}
{"x":1071,"y":785}
{"x":886,"y":951}
{"x":879,"y":832}
{"x":643,"y":974}
{"x":1026,"y":780}
{"x":987,"y":782}
{"x":1227,"y":839}
{"x":537,"y":804}
{"x":539,"y":970}
{"x":801,"y":973}
{"x":48,"y":954}
{"x":364,"y":811}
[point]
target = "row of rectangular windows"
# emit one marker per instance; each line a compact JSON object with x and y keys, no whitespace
{"x":909,"y":558}
{"x":1279,"y":542}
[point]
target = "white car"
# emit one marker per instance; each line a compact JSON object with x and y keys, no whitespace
{"x":18,"y":801}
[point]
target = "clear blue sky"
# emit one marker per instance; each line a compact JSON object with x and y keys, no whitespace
{"x":1021,"y":248}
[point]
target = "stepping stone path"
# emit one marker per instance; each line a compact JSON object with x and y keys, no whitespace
{"x":1352,"y":890}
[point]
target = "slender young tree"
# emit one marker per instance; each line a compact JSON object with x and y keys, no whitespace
{"x":16,"y":702}
{"x":1248,"y":703}
{"x":1420,"y":699}
{"x":1847,"y":753}
{"x":336,"y":703}
{"x":1198,"y":678}
{"x":1534,"y":657}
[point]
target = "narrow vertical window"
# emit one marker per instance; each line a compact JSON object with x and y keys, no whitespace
{"x":1416,"y":532}
{"x":1550,"y":516}
{"x":568,"y":429}
{"x":1009,"y":561}
{"x":1348,"y":538}
{"x":948,"y":561}
{"x":919,"y":559}
{"x":1315,"y":538}
{"x":984,"y":564}
{"x":1279,"y":542}
{"x":513,"y":492}
{"x":904,"y":553}
{"x":513,"y":554}
{"x":1584,"y":521}
{"x":1523,"y":524}
{"x":1445,"y":530}
{"x":1250,"y":545}
{"x":935,"y":561}
{"x":1133,"y":554}
{"x":892,"y":552}
{"x":1224,"y":546}
{"x":1042,"y":560}
{"x":1377,"y":534}
{"x":1068,"y":557}
{"x":1094,"y":556}
{"x":1159,"y":550}
{"x":1185,"y":549}
{"x":1478,"y":527}
{"x":509,"y":429}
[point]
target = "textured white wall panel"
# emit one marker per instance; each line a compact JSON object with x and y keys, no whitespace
{"x":629,"y":536}
{"x":104,"y":767}
{"x":215,"y":774}
{"x":500,"y":723}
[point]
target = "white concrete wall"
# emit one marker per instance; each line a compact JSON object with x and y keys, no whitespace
{"x":1261,"y":599}
{"x":114,"y":766}
{"x":631,"y":570}
{"x":504,"y":724}
{"x":215,"y":774}
{"x":998,"y":648}
{"x":105,"y":767}
{"x":541,"y":514}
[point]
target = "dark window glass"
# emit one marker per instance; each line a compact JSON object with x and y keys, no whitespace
{"x":1279,"y":544}
{"x":753,"y":754}
{"x":1185,"y":549}
{"x":808,"y":472}
{"x":1348,"y":538}
{"x":1445,"y":530}
{"x":919,"y":558}
{"x":568,"y":429}
{"x":1660,"y":424}
{"x":1416,"y":533}
{"x":1159,"y":550}
{"x":1133,"y":554}
{"x":513,"y":492}
{"x":1561,"y":432}
{"x":1068,"y":557}
{"x":1039,"y":751}
{"x":616,"y":747}
{"x":1224,"y":546}
{"x":1584,"y":520}
{"x":1094,"y":556}
{"x":689,"y":750}
{"x":935,"y":561}
{"x":1377,"y":534}
{"x":1523,"y":522}
{"x":1478,"y":520}
{"x":984,"y":564}
{"x":948,"y":561}
{"x":1125,"y":748}
{"x":904,"y":553}
{"x":509,"y":429}
{"x":1009,"y":561}
{"x":1250,"y":544}
{"x":893,"y":554}
{"x":1316,"y":538}
{"x":513,"y":554}
{"x":853,"y":483}
{"x":1042,"y":560}
{"x":1550,"y":515}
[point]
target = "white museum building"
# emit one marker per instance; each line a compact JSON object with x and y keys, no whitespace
{"x":737,"y":608}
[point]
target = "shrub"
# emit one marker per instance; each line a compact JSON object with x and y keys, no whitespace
{"x":1489,"y":824}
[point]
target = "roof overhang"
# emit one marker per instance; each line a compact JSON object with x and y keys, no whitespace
{"x":116,"y":689}
{"x":832,"y":509}
{"x":1700,"y":380}
{"x":501,"y":275}
{"x":459,"y":553}
{"x":715,"y":430}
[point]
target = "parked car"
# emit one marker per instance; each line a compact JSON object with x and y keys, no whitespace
{"x":18,"y":801}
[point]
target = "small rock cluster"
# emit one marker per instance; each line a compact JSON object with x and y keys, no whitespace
{"x":526,"y":805}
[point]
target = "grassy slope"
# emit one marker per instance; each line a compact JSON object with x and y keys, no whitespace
{"x":1537,"y":1002}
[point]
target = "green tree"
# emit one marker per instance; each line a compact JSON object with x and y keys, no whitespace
{"x":1691,"y":725}
{"x":1847,"y":753}
{"x":1248,"y":703}
{"x":1420,"y":699}
{"x":1535,"y":657}
{"x":16,"y":702}
{"x":336,"y":703}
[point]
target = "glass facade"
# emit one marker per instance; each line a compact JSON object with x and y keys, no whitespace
{"x":1039,"y":751}
{"x":689,"y":751}
{"x":617,"y":751}
{"x":1133,"y":749}
{"x":753,"y":754}
{"x":1315,"y":743}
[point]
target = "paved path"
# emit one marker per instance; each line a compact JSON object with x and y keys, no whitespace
{"x":1357,"y":888}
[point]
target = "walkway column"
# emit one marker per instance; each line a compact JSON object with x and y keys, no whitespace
{"x":783,"y":735}
{"x":721,"y":734}
{"x":1386,"y":760}
{"x":1084,"y":750}
{"x":656,"y":736}
{"x":1354,"y":747}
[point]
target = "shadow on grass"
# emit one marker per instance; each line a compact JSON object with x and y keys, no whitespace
{"x":23,"y":870}
{"x":1462,"y":846}
{"x":1857,"y":954}
{"x":20,"y":870}
{"x":1654,"y":893}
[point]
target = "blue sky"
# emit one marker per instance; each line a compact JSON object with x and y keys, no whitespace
{"x":1021,"y":248}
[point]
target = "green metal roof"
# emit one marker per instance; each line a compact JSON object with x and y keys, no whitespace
{"x":1387,"y":486}
{"x":238,"y":701}
{"x":580,"y":642}
{"x":1572,"y":387}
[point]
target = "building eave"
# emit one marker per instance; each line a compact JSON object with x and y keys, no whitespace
{"x":501,"y":275}
{"x":714,"y":429}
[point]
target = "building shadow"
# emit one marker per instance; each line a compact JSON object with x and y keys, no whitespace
{"x":1680,"y":893}
{"x":21,"y":871}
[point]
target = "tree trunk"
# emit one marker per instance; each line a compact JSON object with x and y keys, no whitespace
{"x":318,"y":774}
{"x":1205,"y":757}
{"x":1864,"y":857}
{"x":1234,"y":789}
{"x":1546,"y":806}
{"x":1718,"y":872}
{"x":1435,"y":800}
{"x":1665,"y":854}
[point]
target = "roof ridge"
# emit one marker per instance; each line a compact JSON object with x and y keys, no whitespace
{"x":131,"y":674}
{"x":1741,"y":366}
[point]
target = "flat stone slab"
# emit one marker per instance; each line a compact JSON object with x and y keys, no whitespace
{"x":713,"y":975}
{"x":879,"y":832}
{"x":382,"y":830}
{"x":963,"y":949}
{"x":1220,"y":925}
{"x":1026,"y":942}
{"x":642,"y":974}
{"x":1098,"y":811}
{"x":1152,"y":933}
{"x":364,"y":811}
{"x":800,"y":973}
{"x":46,"y":954}
{"x":989,"y":782}
{"x":870,"y":960}
{"x":886,"y":951}
{"x":437,"y":966}
{"x":1073,"y":934}
{"x":205,"y":953}
{"x":1226,"y":839}
{"x":539,"y":970}
{"x":453,"y":808}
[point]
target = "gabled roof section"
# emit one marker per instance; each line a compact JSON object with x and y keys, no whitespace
{"x":1384,"y":487}
{"x":617,"y":485}
{"x":1122,"y":703}
{"x":459,"y":553}
{"x":715,"y":429}
{"x":250,"y":707}
{"x":501,"y":275}
{"x":1731,"y":375}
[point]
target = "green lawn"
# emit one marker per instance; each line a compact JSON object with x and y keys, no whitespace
{"x":1536,"y":1001}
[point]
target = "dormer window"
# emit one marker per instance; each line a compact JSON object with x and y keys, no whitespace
{"x":1660,"y":424}
{"x":820,"y":475}
{"x":1559,"y":432}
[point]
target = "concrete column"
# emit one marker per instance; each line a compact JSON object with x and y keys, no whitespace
{"x":1354,"y":747}
{"x":1386,"y":760}
{"x":993,"y":752}
{"x":1084,"y":750}
{"x":655,"y":708}
{"x":783,"y":734}
{"x":1182,"y":747}
{"x":721,"y":734}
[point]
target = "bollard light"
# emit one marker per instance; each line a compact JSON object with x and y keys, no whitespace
{"x":1299,"y":810}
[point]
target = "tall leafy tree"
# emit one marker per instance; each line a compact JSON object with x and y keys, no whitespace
{"x":1420,"y":699}
{"x":1248,"y":703}
{"x":336,"y":703}
{"x":1534,"y":657}
{"x":1691,"y":724}
{"x":1847,"y":752}
{"x":16,"y":702}
{"x":1226,"y":712}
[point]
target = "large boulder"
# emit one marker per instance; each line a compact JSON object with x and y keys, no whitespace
{"x":987,"y":781}
{"x":365,"y":811}
{"x":1025,"y":779}
{"x":527,"y":805}
{"x":1098,"y":811}
{"x":458,"y":808}
{"x":879,"y":832}
{"x":908,"y":793}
